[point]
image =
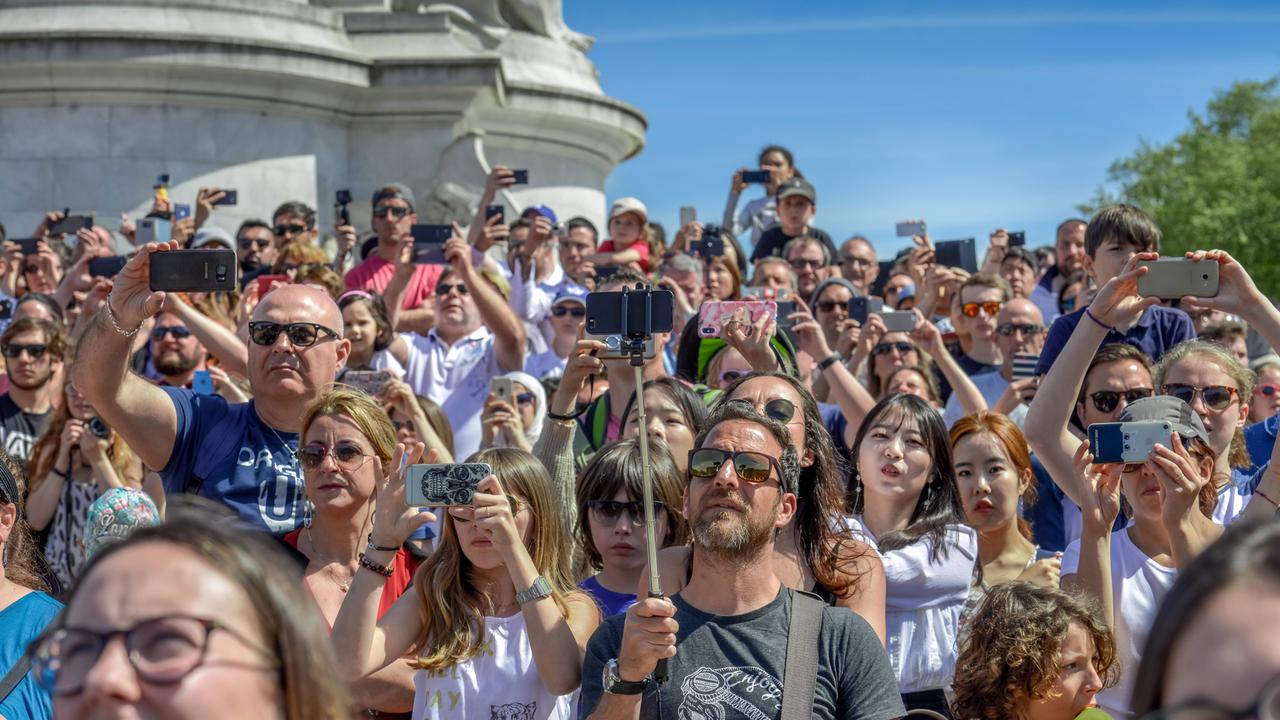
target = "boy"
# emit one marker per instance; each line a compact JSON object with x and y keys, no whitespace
{"x":797,"y":204}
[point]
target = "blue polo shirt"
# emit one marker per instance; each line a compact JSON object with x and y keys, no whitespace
{"x":1260,"y":438}
{"x":1043,"y":296}
{"x":1159,"y":329}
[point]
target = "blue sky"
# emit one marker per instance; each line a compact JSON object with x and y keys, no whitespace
{"x":970,"y":115}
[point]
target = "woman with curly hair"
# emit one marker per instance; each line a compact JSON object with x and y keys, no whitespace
{"x":1034,"y":653}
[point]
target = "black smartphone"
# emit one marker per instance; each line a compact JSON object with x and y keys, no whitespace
{"x":497,"y":211}
{"x":428,"y":243}
{"x":604,"y":272}
{"x":28,"y":245}
{"x":708,"y":247}
{"x":862,"y":307}
{"x":785,"y":309}
{"x":229,"y":197}
{"x":882,"y":277}
{"x":1018,"y":239}
{"x":961,"y":254}
{"x":443,"y":485}
{"x":107,"y":266}
{"x":70,"y":224}
{"x":203,"y":270}
{"x":521,"y":176}
{"x":757,"y":176}
{"x":608,"y":312}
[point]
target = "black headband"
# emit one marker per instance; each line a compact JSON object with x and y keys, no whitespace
{"x":8,"y":486}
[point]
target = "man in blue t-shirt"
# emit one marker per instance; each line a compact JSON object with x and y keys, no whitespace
{"x":242,"y":454}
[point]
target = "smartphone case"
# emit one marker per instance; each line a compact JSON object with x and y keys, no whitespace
{"x":714,"y":314}
{"x":1129,"y":442}
{"x":898,"y":321}
{"x":444,"y":485}
{"x":1024,"y":366}
{"x":502,"y":387}
{"x":203,"y":270}
{"x":1172,"y":278}
{"x":367,"y":381}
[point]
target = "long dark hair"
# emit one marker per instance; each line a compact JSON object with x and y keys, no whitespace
{"x":24,"y":563}
{"x":1247,"y":549}
{"x":939,"y":504}
{"x":691,"y":406}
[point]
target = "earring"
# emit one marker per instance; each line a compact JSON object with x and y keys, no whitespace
{"x":308,"y":509}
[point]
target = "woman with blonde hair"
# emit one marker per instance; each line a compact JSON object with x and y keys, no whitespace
{"x":494,"y":618}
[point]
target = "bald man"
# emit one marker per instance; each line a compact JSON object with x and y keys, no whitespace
{"x":242,"y":455}
{"x":1020,"y":330}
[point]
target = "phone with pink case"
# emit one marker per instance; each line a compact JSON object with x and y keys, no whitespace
{"x":714,"y":314}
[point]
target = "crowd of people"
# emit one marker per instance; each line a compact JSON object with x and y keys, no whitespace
{"x":873,"y":488}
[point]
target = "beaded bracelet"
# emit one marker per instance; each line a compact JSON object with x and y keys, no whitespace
{"x":366,"y":563}
{"x":1094,"y":318}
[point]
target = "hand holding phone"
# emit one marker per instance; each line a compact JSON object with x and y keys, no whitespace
{"x":1171,"y":278}
{"x":446,"y":485}
{"x":503,"y":388}
{"x":1127,"y":442}
{"x":201,"y":270}
{"x":715,"y":314}
{"x":428,"y":243}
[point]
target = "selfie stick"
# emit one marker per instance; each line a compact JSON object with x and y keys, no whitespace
{"x":634,"y":346}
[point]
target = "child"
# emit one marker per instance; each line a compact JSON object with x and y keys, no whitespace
{"x":628,"y":243}
{"x":797,"y":205}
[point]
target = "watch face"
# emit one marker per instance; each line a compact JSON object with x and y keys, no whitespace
{"x":610,"y":674}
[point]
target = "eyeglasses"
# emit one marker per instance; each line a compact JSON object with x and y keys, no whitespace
{"x":1024,"y":328}
{"x":729,"y":376}
{"x":36,"y":352}
{"x":178,"y":332}
{"x":524,"y":398}
{"x":780,"y":409}
{"x":895,"y":289}
{"x":443,"y":289}
{"x":801,"y":263}
{"x":752,"y":467}
{"x":1267,"y":389}
{"x":608,"y":512}
{"x":301,"y":334}
{"x":252,"y":242}
{"x":856,"y":261}
{"x":385,"y":210}
{"x":1106,"y":400}
{"x":561,"y":311}
{"x":346,"y":455}
{"x":831,"y":305}
{"x":1216,"y":397}
{"x":286,"y":230}
{"x":162,"y":651}
{"x":406,"y":424}
{"x":991,"y":308}
{"x":902,"y":346}
{"x":1265,"y":707}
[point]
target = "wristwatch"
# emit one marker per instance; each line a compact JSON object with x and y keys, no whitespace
{"x":615,"y":685}
{"x":829,"y":360}
{"x":539,"y":589}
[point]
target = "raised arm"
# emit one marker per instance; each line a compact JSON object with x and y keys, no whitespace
{"x":845,"y":390}
{"x":967,"y":394}
{"x":496,"y":315}
{"x":1100,"y":506}
{"x":141,"y":412}
{"x":499,"y":178}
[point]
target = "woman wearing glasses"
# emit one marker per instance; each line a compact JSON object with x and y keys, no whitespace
{"x":516,"y":423}
{"x":345,"y":449}
{"x":1266,"y":392}
{"x":610,"y":528}
{"x":195,"y":618}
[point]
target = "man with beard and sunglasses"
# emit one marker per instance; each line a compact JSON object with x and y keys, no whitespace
{"x":723,"y":633}
{"x":33,"y":352}
{"x":176,"y":354}
{"x":243,"y":454}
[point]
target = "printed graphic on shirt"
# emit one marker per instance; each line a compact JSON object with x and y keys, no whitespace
{"x":513,"y":711}
{"x":730,"y":692}
{"x":18,"y":444}
{"x":279,"y":491}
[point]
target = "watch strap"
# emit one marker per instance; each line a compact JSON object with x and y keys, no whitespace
{"x":829,"y":360}
{"x":540,"y":588}
{"x":615,"y":685}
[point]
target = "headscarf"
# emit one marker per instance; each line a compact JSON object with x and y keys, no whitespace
{"x":534,"y":429}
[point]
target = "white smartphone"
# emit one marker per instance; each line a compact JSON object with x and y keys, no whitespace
{"x":688,"y":214}
{"x":1171,"y":278}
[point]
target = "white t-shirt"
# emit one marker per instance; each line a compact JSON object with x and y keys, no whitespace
{"x":1139,"y":585}
{"x":923,"y":603}
{"x":500,"y":682}
{"x":456,"y":377}
{"x":545,"y":365}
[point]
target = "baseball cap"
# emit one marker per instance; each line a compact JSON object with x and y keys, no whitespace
{"x":212,"y":234}
{"x":393,"y":190}
{"x":629,"y":204}
{"x":1166,"y":408}
{"x":570,"y":294}
{"x":542,"y":210}
{"x":797,"y":186}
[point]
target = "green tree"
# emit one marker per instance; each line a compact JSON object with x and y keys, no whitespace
{"x":1217,"y":185}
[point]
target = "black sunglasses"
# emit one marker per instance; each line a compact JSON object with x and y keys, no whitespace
{"x":1024,"y":328}
{"x":443,"y":289}
{"x":248,"y":242}
{"x":607,"y":512}
{"x":561,"y":311}
{"x":178,"y":332}
{"x":830,"y":306}
{"x":1216,"y":397}
{"x":901,"y":346}
{"x":283,"y":230}
{"x":752,"y":467}
{"x":779,"y":409}
{"x":35,"y":351}
{"x":301,"y":334}
{"x":384,"y":210}
{"x":1106,"y":400}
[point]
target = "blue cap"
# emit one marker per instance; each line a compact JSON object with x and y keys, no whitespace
{"x":570,"y":293}
{"x":542,"y":210}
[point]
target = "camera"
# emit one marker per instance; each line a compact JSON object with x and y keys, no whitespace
{"x":98,"y":428}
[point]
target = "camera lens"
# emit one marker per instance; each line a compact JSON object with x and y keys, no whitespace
{"x":221,"y":272}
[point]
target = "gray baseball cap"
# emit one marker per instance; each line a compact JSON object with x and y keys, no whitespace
{"x":1166,"y":408}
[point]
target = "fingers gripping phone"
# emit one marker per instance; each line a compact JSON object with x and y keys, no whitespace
{"x":1127,"y":442}
{"x":714,"y":314}
{"x":449,"y":485}
{"x":1170,"y":278}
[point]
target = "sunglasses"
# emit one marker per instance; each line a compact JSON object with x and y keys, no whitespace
{"x":285,"y":230}
{"x":301,"y":334}
{"x":347,"y":456}
{"x":1267,"y":389}
{"x":249,"y":242}
{"x":35,"y":351}
{"x":1216,"y":397}
{"x":608,"y":512}
{"x":901,"y":346}
{"x":990,"y":308}
{"x":443,"y":289}
{"x":779,"y":409}
{"x":561,"y":311}
{"x":1106,"y":400}
{"x":385,"y":210}
{"x":830,"y":305}
{"x":752,"y":467}
{"x":729,"y":376}
{"x":178,"y":332}
{"x":524,"y":398}
{"x":1024,"y":328}
{"x":801,"y":263}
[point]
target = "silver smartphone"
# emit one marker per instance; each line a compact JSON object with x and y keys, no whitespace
{"x":907,"y":229}
{"x":898,"y":321}
{"x":1171,"y":278}
{"x":443,"y":485}
{"x":503,"y":387}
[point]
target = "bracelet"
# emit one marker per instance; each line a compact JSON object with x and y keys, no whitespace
{"x":1094,"y":318}
{"x":1266,"y":497}
{"x":830,"y":360}
{"x":382,"y":548}
{"x":367,"y":564}
{"x":111,"y":315}
{"x":565,"y":418}
{"x":59,"y":473}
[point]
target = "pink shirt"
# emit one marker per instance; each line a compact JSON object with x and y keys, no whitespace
{"x":374,"y":273}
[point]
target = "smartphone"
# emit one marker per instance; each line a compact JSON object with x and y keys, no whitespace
{"x":604,"y":272}
{"x":152,"y":230}
{"x":265,"y":283}
{"x":181,"y":211}
{"x":961,"y":254}
{"x":6,"y":308}
{"x":369,"y":382}
{"x":898,"y":320}
{"x":616,"y":313}
{"x":522,"y":177}
{"x":907,"y":229}
{"x":785,"y":309}
{"x":708,"y":247}
{"x":229,"y":197}
{"x":497,"y":211}
{"x":202,"y":383}
{"x":1018,"y":239}
{"x":428,"y":243}
{"x":502,"y":387}
{"x":688,"y":214}
{"x":71,"y":223}
{"x":107,"y":266}
{"x":203,"y":270}
{"x":714,"y":314}
{"x":757,"y":176}
{"x":1024,"y":365}
{"x":443,"y":485}
{"x":615,"y":352}
{"x":1127,"y":442}
{"x":862,"y":307}
{"x":1171,"y":278}
{"x":28,"y":245}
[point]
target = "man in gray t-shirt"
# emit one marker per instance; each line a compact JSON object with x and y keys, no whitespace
{"x":726,"y":632}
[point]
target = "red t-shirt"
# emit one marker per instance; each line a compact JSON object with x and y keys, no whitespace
{"x":639,"y":246}
{"x":374,"y":273}
{"x":402,"y":568}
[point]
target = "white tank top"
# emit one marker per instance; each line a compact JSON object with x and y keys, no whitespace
{"x":501,"y":683}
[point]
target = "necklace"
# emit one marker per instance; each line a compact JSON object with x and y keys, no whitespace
{"x":343,"y":585}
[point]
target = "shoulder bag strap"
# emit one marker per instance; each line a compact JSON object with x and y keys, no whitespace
{"x":14,"y":676}
{"x":800,"y":677}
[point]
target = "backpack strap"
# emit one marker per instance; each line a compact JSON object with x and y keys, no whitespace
{"x":800,"y":677}
{"x":220,"y":441}
{"x":15,"y":675}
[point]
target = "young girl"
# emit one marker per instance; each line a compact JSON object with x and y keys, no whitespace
{"x":761,"y":213}
{"x":497,"y":624}
{"x":905,"y":501}
{"x":1266,"y":392}
{"x":365,"y":323}
{"x":628,"y":243}
{"x":1034,"y":653}
{"x":610,"y":526}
